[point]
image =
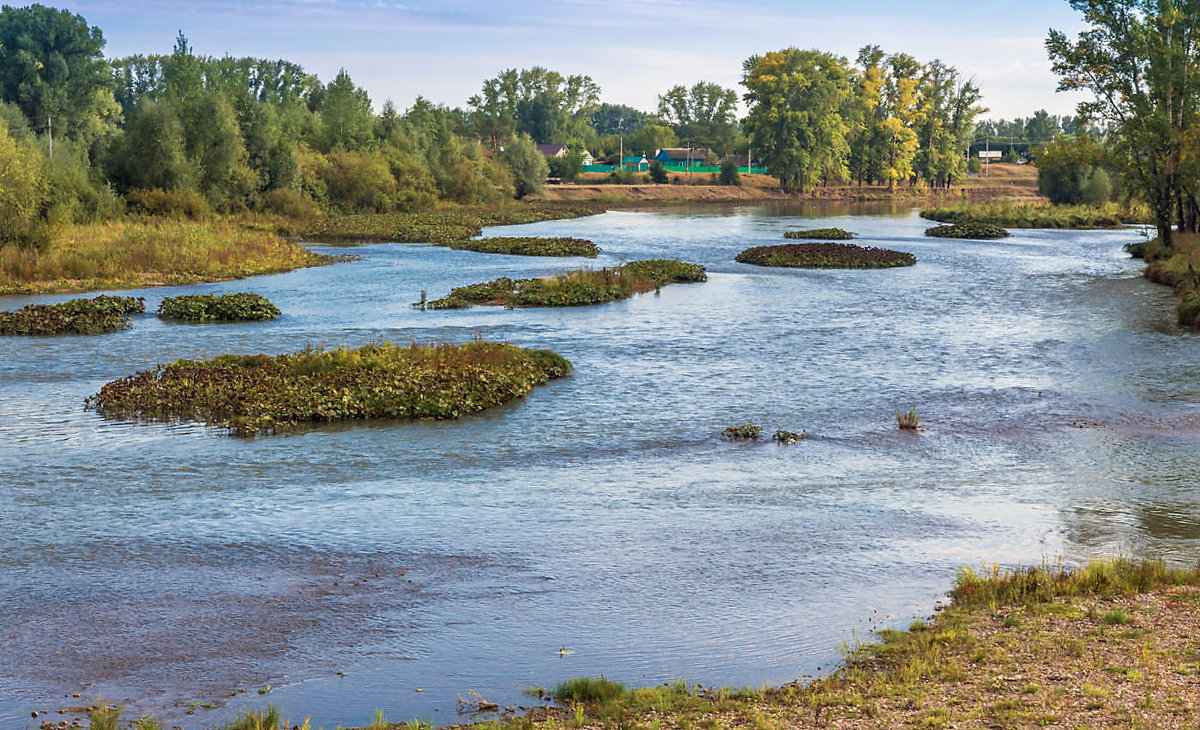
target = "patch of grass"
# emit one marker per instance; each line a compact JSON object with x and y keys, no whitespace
{"x":789,"y":437}
{"x":746,"y":432}
{"x":580,"y":287}
{"x":252,"y":394}
{"x":234,"y":307}
{"x":969,"y":231}
{"x":1018,"y":214}
{"x":1115,"y":617}
{"x":266,"y":719}
{"x":138,"y":253}
{"x":588,"y":690}
{"x":825,"y":256}
{"x":96,"y":315}
{"x":820,"y":234}
{"x":105,"y":717}
{"x":530,"y":246}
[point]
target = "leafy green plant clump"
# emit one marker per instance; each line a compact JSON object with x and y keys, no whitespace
{"x":746,"y":432}
{"x":1013,"y":214}
{"x":971,"y":231}
{"x":251,"y":394}
{"x":820,"y":234}
{"x":825,"y":256}
{"x":575,"y":288}
{"x":789,"y":437}
{"x":237,"y":307}
{"x":93,"y":316}
{"x":530,"y":246}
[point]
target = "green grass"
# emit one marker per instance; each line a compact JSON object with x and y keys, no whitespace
{"x":233,"y":307}
{"x":969,"y":231}
{"x":588,"y":689}
{"x":820,"y":234}
{"x":253,"y":394}
{"x":449,"y":225}
{"x":825,"y":256}
{"x":530,"y":246}
{"x":580,"y":287}
{"x":266,"y":719}
{"x":1017,"y":214}
{"x":96,"y":315}
{"x":1177,"y":267}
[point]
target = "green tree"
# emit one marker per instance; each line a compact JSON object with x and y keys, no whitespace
{"x":215,"y":147}
{"x":544,"y":104}
{"x":151,"y":153}
{"x":24,"y":191}
{"x":649,"y":139}
{"x":529,"y":167}
{"x":51,"y":66}
{"x":795,"y":101}
{"x":1140,"y":58}
{"x":346,"y":117}
{"x":706,"y":114}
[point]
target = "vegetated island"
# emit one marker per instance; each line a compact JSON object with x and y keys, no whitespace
{"x":1039,"y":214}
{"x":263,"y":394}
{"x":442,"y":225}
{"x":968,"y":231}
{"x":93,"y":316}
{"x":531,"y":246}
{"x":825,"y":256}
{"x":820,"y":234}
{"x":574,"y":288}
{"x":233,"y":307}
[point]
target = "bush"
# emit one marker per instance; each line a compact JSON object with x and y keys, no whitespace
{"x":1188,"y":311}
{"x":825,"y":256}
{"x":658,"y":173}
{"x":972,"y":231}
{"x":729,"y":172}
{"x":168,"y":203}
{"x":240,"y":307}
{"x":290,"y":203}
{"x":820,"y":234}
{"x":78,"y":316}
{"x":250,"y":394}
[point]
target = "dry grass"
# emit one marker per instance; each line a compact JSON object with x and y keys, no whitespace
{"x":138,"y":253}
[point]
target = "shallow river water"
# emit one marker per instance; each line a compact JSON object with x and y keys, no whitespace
{"x":599,"y":526}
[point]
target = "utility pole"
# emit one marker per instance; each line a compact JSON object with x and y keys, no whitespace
{"x":621,"y":161}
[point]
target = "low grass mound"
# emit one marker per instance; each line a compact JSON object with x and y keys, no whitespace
{"x":825,"y":256}
{"x":530,"y":246}
{"x":440,"y":226}
{"x":1015,"y":214}
{"x":93,"y":316}
{"x":236,"y":307}
{"x":575,"y":288}
{"x":261,"y":394}
{"x":970,"y":231}
{"x":820,"y":234}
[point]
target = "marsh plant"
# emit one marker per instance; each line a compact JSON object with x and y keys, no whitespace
{"x":908,"y":420}
{"x":789,"y":437}
{"x":530,"y":246}
{"x":825,"y":256}
{"x":969,"y":231}
{"x":234,"y":307}
{"x":96,"y":315}
{"x":745,"y":432}
{"x":252,"y":394}
{"x":820,"y":234}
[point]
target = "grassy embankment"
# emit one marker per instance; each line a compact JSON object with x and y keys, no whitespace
{"x":576,"y":288}
{"x":253,"y":394}
{"x":1176,"y":268}
{"x":1037,"y":214}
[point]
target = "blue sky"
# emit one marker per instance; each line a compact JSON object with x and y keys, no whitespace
{"x":635,"y":49}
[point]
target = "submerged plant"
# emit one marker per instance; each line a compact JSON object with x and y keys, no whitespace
{"x":746,"y":432}
{"x":908,"y":420}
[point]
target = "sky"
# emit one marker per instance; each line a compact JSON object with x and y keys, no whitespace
{"x":634,"y":49}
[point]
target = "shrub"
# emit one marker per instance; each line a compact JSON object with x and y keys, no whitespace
{"x":825,"y":256}
{"x":168,"y":203}
{"x":658,"y":173}
{"x":820,"y":234}
{"x":239,"y":307}
{"x":746,"y":432}
{"x":729,"y":172}
{"x":970,"y":231}
{"x":290,"y":203}
{"x":251,"y":394}
{"x":78,"y":316}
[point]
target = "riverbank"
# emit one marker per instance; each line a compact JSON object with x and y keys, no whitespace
{"x":1176,"y":268}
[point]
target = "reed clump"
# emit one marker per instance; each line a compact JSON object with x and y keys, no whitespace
{"x":261,"y":394}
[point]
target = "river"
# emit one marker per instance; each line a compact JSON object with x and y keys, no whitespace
{"x":600,"y":525}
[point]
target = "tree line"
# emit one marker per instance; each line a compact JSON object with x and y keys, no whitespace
{"x":83,"y":137}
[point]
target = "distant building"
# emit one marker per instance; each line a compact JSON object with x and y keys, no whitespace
{"x":552,"y":150}
{"x":683,"y":156}
{"x":636,"y":163}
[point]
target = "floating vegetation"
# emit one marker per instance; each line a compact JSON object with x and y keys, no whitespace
{"x":93,"y":316}
{"x":252,"y":394}
{"x":820,"y":234}
{"x":789,"y":437}
{"x":574,"y":288}
{"x":970,"y":231}
{"x":1014,"y":214}
{"x":908,"y":420}
{"x":239,"y":307}
{"x":825,"y":256}
{"x":746,"y":432}
{"x":530,"y":246}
